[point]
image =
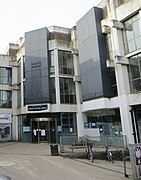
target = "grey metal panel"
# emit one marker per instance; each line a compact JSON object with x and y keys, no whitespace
{"x":92,"y":56}
{"x":27,"y":137}
{"x":36,"y":67}
{"x":106,"y":78}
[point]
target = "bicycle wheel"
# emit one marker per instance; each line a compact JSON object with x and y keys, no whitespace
{"x":92,"y":157}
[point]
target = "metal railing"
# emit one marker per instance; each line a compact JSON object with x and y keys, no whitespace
{"x":100,"y":141}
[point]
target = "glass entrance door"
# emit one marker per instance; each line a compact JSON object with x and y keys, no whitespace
{"x":40,"y":131}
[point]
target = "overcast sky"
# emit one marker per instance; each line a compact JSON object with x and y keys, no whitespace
{"x":20,"y":16}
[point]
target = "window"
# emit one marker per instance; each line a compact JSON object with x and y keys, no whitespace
{"x":67,"y":91}
{"x":65,"y":63}
{"x":19,"y":71}
{"x":108,"y":122}
{"x":5,"y":99}
{"x":132,"y":34}
{"x":5,"y":75}
{"x":113,"y":81}
{"x":52,"y":63}
{"x":135,"y":73}
{"x":19,"y":96}
{"x":68,"y":123}
{"x":53,"y":90}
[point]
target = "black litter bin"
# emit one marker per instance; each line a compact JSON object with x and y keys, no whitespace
{"x":54,"y":149}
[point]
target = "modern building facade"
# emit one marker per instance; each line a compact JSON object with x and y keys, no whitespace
{"x":49,"y":100}
{"x":74,"y":82}
{"x":116,"y":113}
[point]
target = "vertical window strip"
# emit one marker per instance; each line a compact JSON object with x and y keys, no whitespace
{"x":135,"y":73}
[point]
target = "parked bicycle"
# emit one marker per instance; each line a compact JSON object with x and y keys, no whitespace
{"x":109,"y":154}
{"x":90,"y":153}
{"x":85,"y":140}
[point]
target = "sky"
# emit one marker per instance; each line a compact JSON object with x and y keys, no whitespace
{"x":20,"y":16}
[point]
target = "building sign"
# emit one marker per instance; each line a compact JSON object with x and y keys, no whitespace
{"x":38,"y":107}
{"x":36,"y":64}
{"x":5,"y":118}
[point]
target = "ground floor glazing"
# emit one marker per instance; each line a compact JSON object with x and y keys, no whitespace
{"x":49,"y":128}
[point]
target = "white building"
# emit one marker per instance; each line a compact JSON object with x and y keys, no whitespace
{"x":116,"y":112}
{"x":57,"y":93}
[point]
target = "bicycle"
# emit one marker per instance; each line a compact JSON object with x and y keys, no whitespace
{"x":109,"y":155}
{"x":90,"y":154}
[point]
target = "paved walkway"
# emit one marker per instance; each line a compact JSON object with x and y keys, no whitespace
{"x":25,"y":148}
{"x":16,"y":148}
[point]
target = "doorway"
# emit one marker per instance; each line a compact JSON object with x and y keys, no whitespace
{"x":43,"y":130}
{"x":40,"y":131}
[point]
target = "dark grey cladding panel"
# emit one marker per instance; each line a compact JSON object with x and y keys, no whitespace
{"x":36,"y":66}
{"x":106,"y":78}
{"x":92,"y":56}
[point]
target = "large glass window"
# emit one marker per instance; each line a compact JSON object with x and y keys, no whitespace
{"x":68,"y":121}
{"x":53,"y":90}
{"x":19,"y":95}
{"x":108,"y":122}
{"x":135,"y":73}
{"x":113,"y":81}
{"x":5,"y":99}
{"x":137,"y":111}
{"x":5,"y":75}
{"x":132,"y":34}
{"x":52,"y":63}
{"x":67,"y":90}
{"x":65,"y":63}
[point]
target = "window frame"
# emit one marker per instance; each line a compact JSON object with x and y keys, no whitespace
{"x":135,"y":81}
{"x":130,"y":35}
{"x":5,"y":99}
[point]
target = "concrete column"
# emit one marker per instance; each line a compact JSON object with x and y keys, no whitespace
{"x":57,"y":85}
{"x":80,"y":123}
{"x":123,"y":87}
{"x":14,"y":128}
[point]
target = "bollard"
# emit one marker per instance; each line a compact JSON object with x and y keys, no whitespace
{"x":124,"y":161}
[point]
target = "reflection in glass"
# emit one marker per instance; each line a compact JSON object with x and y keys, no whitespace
{"x":138,"y":42}
{"x":132,"y":34}
{"x":67,"y":90}
{"x":137,"y":85}
{"x":65,"y":63}
{"x":135,"y":73}
{"x":131,"y":46}
{"x":68,"y":122}
{"x":134,"y":67}
{"x":5,"y":75}
{"x":5,"y":99}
